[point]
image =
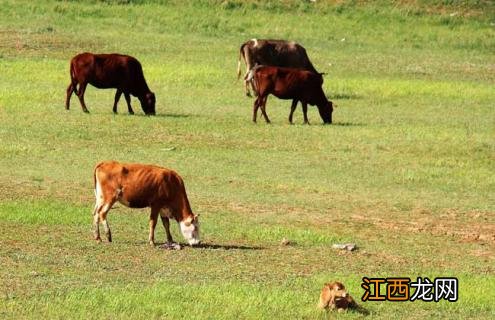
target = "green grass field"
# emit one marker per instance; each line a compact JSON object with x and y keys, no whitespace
{"x":407,"y":170}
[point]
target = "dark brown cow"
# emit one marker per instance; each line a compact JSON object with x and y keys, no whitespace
{"x":141,"y":186}
{"x":290,"y":83}
{"x":110,"y":71}
{"x":279,"y":53}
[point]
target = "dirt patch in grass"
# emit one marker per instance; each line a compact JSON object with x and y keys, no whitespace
{"x":42,"y":43}
{"x":447,"y":224}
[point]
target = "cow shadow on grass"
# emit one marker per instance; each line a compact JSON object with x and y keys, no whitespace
{"x":166,"y":115}
{"x":344,"y":96}
{"x":210,"y":246}
{"x":340,"y":124}
{"x":348,"y":124}
{"x":173,"y":115}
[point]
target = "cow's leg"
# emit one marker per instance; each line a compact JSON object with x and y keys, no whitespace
{"x":263,"y":111}
{"x":96,"y":224}
{"x":128,"y":100}
{"x":305,"y":112}
{"x":105,"y":199}
{"x":108,"y":233}
{"x":82,"y":89}
{"x":256,"y":105}
{"x":153,"y":221}
{"x":102,"y":215}
{"x":117,"y":98}
{"x":70,"y":89}
{"x":292,"y":108}
{"x":166,"y":225}
{"x":246,"y":88}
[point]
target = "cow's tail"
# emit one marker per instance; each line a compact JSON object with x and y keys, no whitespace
{"x":73,"y":80}
{"x":94,"y":176}
{"x":241,"y":55}
{"x":252,"y":79}
{"x":95,"y":210}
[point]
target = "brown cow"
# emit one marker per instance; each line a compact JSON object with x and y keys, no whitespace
{"x":141,"y":186}
{"x":290,"y":83}
{"x":279,"y":53}
{"x":110,"y":71}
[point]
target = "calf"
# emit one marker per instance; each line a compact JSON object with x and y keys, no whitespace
{"x":141,"y":186}
{"x":290,"y":83}
{"x":110,"y":71}
{"x":335,"y":296}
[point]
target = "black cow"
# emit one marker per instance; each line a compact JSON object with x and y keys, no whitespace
{"x":279,"y":53}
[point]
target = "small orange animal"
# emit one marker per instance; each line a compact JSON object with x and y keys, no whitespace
{"x":335,"y":296}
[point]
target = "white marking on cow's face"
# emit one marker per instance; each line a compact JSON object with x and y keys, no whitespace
{"x":255,"y":42}
{"x":190,"y":230}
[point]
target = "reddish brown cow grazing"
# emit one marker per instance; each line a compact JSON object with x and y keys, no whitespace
{"x":290,"y":83}
{"x":141,"y":186}
{"x":110,"y":71}
{"x":280,"y":53}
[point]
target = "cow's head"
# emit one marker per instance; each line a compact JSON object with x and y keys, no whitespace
{"x":190,"y":229}
{"x":148,"y":103}
{"x":326,"y":112}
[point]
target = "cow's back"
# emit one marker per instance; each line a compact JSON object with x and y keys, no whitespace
{"x":279,"y":53}
{"x":114,"y":70}
{"x":109,"y":71}
{"x":140,"y":185}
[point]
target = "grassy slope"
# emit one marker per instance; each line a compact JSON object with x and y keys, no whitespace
{"x":406,"y":172}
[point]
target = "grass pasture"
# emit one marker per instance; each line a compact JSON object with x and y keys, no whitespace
{"x":407,"y":171}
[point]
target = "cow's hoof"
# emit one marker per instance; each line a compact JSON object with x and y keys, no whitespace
{"x":86,"y":111}
{"x":171,"y":246}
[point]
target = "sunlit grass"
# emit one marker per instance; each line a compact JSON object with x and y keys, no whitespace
{"x":405,"y":172}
